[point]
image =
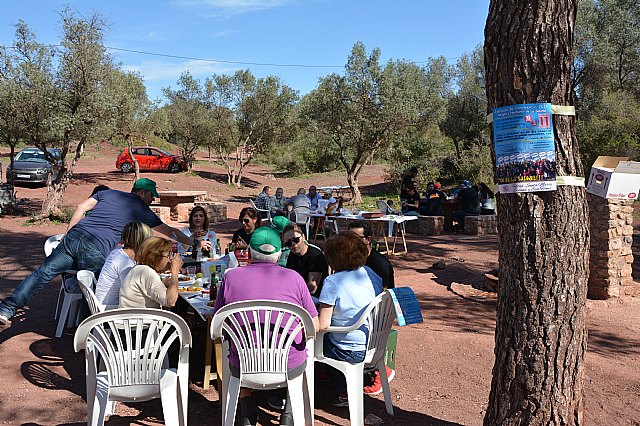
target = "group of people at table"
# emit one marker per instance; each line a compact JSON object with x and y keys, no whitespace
{"x":473,"y":200}
{"x":116,"y":242}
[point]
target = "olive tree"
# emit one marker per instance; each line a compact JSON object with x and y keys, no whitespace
{"x":363,"y":110}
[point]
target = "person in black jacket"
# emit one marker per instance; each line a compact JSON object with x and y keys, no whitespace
{"x":377,"y":262}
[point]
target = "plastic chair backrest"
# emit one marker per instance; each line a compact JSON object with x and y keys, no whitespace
{"x":51,"y":243}
{"x":302,"y":214}
{"x":132,"y":343}
{"x":380,"y":314}
{"x":263,"y":353}
{"x":383,"y":207}
{"x":87,"y":282}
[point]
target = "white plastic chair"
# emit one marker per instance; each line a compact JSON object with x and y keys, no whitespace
{"x":87,"y":282}
{"x":70,"y":299}
{"x":302,"y":217}
{"x":133,"y":344}
{"x":260,"y":211}
{"x":379,"y":315}
{"x":263,"y":355}
{"x":384,"y":207}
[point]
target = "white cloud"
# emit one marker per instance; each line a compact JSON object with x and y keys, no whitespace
{"x":170,"y":71}
{"x":226,"y":8}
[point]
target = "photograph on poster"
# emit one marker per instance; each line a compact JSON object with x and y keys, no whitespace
{"x":524,"y":147}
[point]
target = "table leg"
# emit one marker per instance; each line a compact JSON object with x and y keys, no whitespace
{"x":208,"y":349}
{"x":218,"y":347}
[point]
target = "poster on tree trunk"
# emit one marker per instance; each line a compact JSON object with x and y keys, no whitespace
{"x":524,"y":147}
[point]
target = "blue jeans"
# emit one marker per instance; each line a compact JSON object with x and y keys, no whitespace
{"x":75,"y":251}
{"x":330,"y":350}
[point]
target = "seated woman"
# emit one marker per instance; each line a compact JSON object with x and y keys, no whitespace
{"x":250,"y":220}
{"x":344,"y":295}
{"x":119,"y":263}
{"x":198,"y":228}
{"x":143,"y":287}
{"x":487,"y":200}
{"x":306,"y":260}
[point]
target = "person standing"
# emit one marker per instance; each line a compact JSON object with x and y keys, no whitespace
{"x":90,"y":239}
{"x":407,"y":181}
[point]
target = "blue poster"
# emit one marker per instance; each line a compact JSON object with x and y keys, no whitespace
{"x":406,"y":304}
{"x":524,"y":147}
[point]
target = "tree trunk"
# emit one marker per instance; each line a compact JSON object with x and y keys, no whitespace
{"x":136,"y":166}
{"x":540,"y":333}
{"x":352,"y":180}
{"x":56,"y":191}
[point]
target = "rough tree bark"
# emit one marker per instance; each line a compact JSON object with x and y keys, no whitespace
{"x":540,"y":330}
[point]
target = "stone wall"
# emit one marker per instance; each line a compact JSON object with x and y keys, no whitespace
{"x":610,"y":257}
{"x":216,"y":210}
{"x":426,"y":225}
{"x":481,"y":225}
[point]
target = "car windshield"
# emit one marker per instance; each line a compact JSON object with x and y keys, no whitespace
{"x":35,"y":156}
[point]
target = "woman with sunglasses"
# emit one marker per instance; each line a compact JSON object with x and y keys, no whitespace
{"x":306,"y":260}
{"x":198,"y":228}
{"x":250,"y":220}
{"x":143,"y":287}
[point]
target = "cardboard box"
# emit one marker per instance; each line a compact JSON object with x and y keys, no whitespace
{"x":615,"y":177}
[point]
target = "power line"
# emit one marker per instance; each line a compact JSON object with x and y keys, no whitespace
{"x":165,"y":55}
{"x":222,"y":61}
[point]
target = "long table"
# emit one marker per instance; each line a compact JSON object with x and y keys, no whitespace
{"x":199,"y":305}
{"x":395,"y":224}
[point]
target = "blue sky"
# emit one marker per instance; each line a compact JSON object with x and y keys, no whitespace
{"x":318,"y":33}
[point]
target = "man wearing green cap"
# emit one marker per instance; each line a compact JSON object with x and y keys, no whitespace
{"x":90,"y":239}
{"x":263,"y":279}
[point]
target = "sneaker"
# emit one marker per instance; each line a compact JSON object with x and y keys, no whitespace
{"x":4,"y":320}
{"x":341,"y":400}
{"x":276,"y":402}
{"x":376,"y":383}
{"x":286,"y":419}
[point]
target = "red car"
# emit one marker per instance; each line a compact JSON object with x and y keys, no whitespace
{"x":150,"y":158}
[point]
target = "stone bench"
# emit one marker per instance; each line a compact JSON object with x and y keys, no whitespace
{"x":216,"y":211}
{"x":163,"y":212}
{"x":426,"y":225}
{"x":481,"y":225}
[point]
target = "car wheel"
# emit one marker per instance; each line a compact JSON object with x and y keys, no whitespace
{"x":174,"y":167}
{"x":126,"y":167}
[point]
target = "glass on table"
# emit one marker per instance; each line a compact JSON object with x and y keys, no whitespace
{"x":191,"y":271}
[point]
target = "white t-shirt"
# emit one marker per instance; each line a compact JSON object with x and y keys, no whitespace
{"x":142,"y":288}
{"x":350,"y":292}
{"x":211,"y":236}
{"x":115,"y":269}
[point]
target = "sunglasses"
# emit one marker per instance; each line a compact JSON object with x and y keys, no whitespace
{"x":247,"y":221}
{"x":292,"y":241}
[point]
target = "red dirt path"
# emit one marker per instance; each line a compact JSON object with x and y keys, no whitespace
{"x":443,"y":365}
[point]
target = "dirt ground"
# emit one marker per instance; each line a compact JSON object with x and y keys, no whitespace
{"x":443,"y":365}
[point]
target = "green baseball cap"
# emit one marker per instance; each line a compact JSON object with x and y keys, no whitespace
{"x":279,"y":222}
{"x":265,"y":240}
{"x":147,"y":185}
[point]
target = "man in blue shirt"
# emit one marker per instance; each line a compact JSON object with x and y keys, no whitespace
{"x":89,"y":239}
